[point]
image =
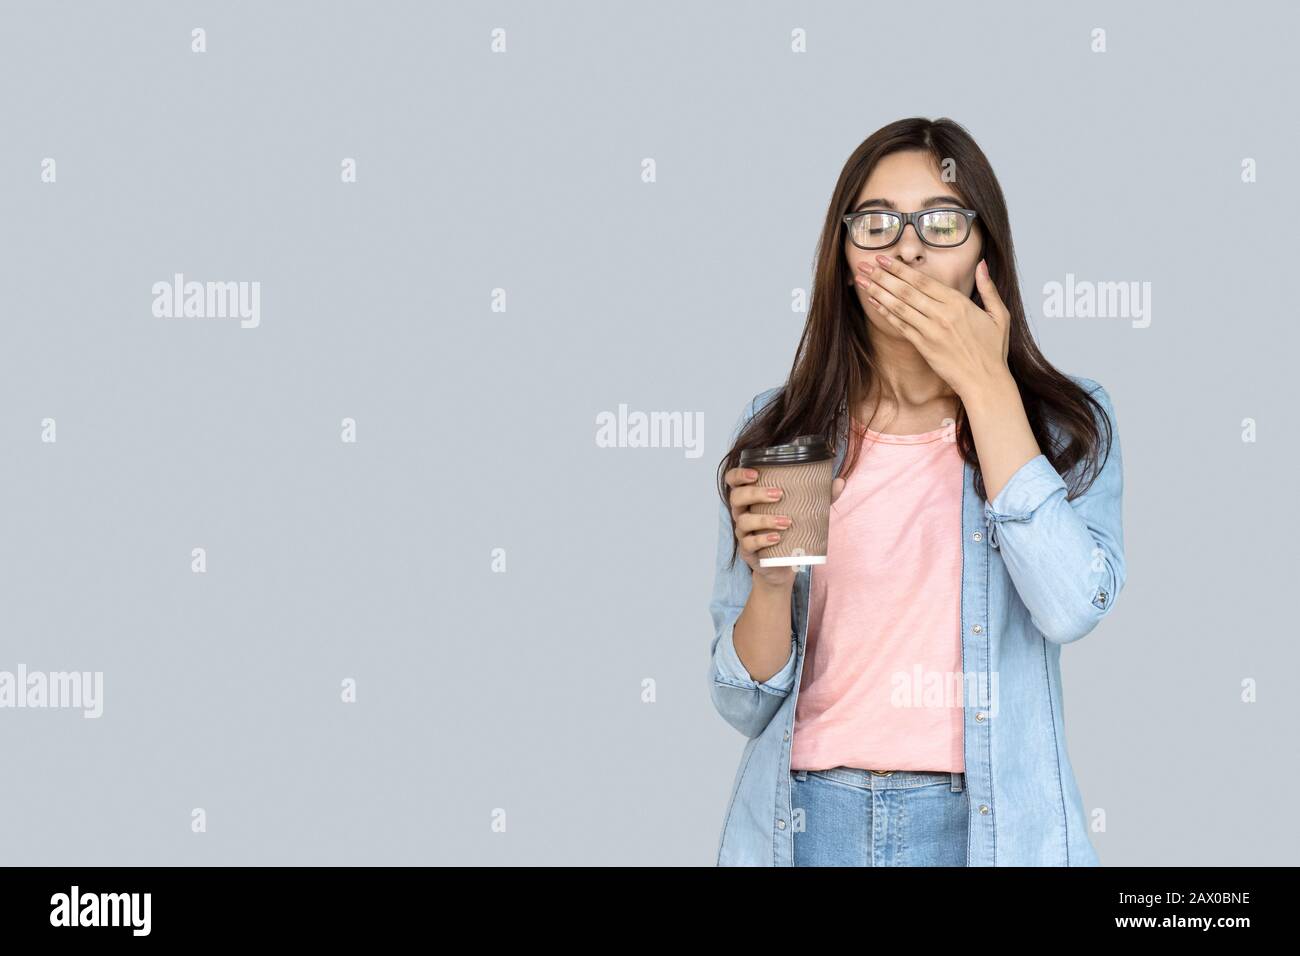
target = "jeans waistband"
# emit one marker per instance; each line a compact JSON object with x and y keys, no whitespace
{"x":891,"y":780}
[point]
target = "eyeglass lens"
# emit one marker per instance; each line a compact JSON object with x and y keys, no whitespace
{"x":940,"y":228}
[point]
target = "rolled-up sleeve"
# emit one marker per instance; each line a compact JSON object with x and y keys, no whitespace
{"x":1065,"y":557}
{"x":746,"y":704}
{"x":726,"y":662}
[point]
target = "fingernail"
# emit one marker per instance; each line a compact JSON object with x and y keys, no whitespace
{"x":774,"y":492}
{"x":751,"y":473}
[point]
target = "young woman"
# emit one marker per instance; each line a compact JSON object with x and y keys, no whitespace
{"x":903,"y":702}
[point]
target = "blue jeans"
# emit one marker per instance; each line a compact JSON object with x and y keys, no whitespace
{"x":853,"y":817}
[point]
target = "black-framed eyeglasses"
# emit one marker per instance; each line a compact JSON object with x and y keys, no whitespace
{"x":942,"y":227}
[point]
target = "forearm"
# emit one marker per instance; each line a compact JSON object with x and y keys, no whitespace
{"x":762,"y":632}
{"x":1003,"y":438}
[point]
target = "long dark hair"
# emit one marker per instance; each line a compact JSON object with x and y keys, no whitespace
{"x":834,"y":359}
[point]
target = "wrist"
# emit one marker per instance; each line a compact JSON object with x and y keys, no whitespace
{"x":767,"y":588}
{"x":999,"y":390}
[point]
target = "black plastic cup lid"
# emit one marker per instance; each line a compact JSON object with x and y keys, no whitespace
{"x":804,"y":449}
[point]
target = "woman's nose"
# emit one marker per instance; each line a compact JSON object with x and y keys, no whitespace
{"x":909,"y":247}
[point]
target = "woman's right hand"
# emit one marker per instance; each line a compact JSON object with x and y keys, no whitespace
{"x":759,"y":531}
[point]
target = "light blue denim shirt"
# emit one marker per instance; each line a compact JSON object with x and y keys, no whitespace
{"x":1038,"y":572}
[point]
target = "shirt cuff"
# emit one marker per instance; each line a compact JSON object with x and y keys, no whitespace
{"x":1030,"y":485}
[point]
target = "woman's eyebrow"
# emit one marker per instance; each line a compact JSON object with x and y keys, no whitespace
{"x":932,"y":201}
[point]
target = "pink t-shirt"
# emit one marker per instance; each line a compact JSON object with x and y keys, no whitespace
{"x":882,"y":685}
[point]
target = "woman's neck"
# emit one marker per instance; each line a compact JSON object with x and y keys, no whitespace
{"x":906,"y":400}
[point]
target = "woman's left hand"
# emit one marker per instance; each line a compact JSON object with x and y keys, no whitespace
{"x":965,"y":345}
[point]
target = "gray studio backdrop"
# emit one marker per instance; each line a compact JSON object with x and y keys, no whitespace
{"x":360,"y":578}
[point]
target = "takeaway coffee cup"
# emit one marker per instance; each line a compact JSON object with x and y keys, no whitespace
{"x":802,"y":469}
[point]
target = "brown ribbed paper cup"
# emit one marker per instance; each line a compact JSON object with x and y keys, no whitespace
{"x":802,"y":469}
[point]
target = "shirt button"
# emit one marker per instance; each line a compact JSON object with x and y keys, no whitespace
{"x":780,"y":824}
{"x":984,"y":808}
{"x":787,"y":735}
{"x":977,"y":629}
{"x":977,"y":536}
{"x":979,"y":716}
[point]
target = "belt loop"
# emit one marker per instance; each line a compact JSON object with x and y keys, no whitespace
{"x":956,"y":781}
